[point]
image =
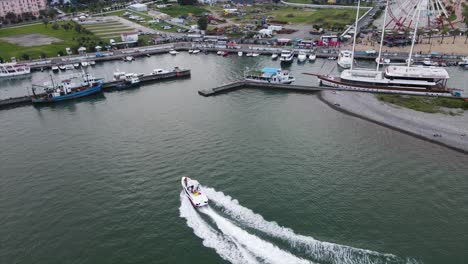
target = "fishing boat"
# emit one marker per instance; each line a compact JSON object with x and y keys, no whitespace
{"x":240,"y":53}
{"x":344,"y":59}
{"x":13,"y":69}
{"x":269,"y":75}
{"x":274,"y":56}
{"x":302,"y":56}
{"x":173,"y":52}
{"x":193,"y":192}
{"x":312,"y":57}
{"x":287,"y":56}
{"x":395,"y":77}
{"x":67,"y":89}
{"x":55,"y":68}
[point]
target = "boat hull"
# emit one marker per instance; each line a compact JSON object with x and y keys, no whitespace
{"x":198,"y":200}
{"x":89,"y":91}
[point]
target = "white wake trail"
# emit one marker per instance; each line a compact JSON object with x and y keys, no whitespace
{"x":317,"y":250}
{"x":228,"y":250}
{"x":268,"y":252}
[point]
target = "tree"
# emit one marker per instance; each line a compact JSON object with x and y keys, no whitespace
{"x":11,"y":17}
{"x":187,"y":2}
{"x":25,"y":56}
{"x":455,"y":32}
{"x":202,"y":23}
{"x":78,"y":27}
{"x":55,"y":26}
{"x":45,"y":21}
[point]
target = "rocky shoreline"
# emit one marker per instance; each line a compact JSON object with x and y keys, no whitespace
{"x":442,"y":129}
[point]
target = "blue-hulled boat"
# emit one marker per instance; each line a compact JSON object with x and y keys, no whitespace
{"x":67,"y":90}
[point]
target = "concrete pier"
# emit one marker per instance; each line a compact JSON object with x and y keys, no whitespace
{"x":176,"y":73}
{"x":247,"y":84}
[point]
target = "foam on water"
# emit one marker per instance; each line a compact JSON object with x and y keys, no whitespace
{"x":227,"y":249}
{"x":264,"y":250}
{"x":317,"y":250}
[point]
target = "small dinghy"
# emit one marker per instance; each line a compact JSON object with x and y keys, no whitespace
{"x":193,"y":192}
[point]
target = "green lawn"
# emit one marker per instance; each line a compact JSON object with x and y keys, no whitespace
{"x":69,"y":38}
{"x":157,"y":26}
{"x":426,"y":104}
{"x":327,"y":17}
{"x":177,"y":10}
{"x":325,"y":2}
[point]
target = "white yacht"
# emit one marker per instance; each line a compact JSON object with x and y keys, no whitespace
{"x":173,"y":52}
{"x":13,"y":69}
{"x":254,"y":54}
{"x":383,"y":61}
{"x":302,"y":56}
{"x":193,"y":192}
{"x":312,"y":57}
{"x":345,"y":59}
{"x":240,"y":53}
{"x":287,"y":56}
{"x":270,"y":75}
{"x":274,"y":56}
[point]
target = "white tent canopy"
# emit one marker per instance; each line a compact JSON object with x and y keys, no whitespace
{"x":82,"y":49}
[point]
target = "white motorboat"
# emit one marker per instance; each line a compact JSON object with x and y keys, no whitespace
{"x":220,"y":53}
{"x":195,"y":51}
{"x":270,"y":75}
{"x":383,"y":61}
{"x":302,"y":56}
{"x":287,"y":56}
{"x":312,"y":57}
{"x":250,"y":54}
{"x":274,"y":56}
{"x":62,"y":67}
{"x":128,"y":58}
{"x":92,"y":63}
{"x":193,"y":192}
{"x":427,"y":62}
{"x":69,"y":67}
{"x":345,"y":59}
{"x":190,"y":51}
{"x":119,"y":76}
{"x":240,"y":53}
{"x":463,"y":62}
{"x":55,"y":68}
{"x":159,"y":71}
{"x":331,"y":58}
{"x":84,"y":64}
{"x":254,"y":54}
{"x":173,"y":52}
{"x":76,"y":65}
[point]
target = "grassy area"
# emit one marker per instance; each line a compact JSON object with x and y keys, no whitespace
{"x":178,"y":10}
{"x":70,"y":38}
{"x":426,"y":104}
{"x":325,"y":3}
{"x":157,"y":26}
{"x":327,"y":17}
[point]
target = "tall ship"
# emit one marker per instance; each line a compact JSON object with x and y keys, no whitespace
{"x":13,"y":69}
{"x":427,"y":79}
{"x":67,"y":89}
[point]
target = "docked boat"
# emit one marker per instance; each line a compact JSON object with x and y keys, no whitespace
{"x":69,"y":67}
{"x":274,"y":56}
{"x":270,"y":75}
{"x":173,"y":52}
{"x":67,"y":89}
{"x":76,"y":65}
{"x":225,"y":53}
{"x":62,"y":67}
{"x":195,"y":51}
{"x":331,"y":58}
{"x":345,"y":59}
{"x":312,"y":57}
{"x":219,"y":53}
{"x":249,"y":54}
{"x":463,"y":62}
{"x":84,"y":64}
{"x":190,"y":51}
{"x":159,"y":71}
{"x":193,"y":192}
{"x":302,"y":56}
{"x":240,"y":53}
{"x":287,"y":56}
{"x":254,"y":54}
{"x":13,"y":69}
{"x":129,"y":58}
{"x":55,"y":68}
{"x":92,"y":63}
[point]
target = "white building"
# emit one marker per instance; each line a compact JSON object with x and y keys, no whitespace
{"x":138,"y":7}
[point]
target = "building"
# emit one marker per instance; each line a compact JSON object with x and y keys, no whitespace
{"x":129,"y":37}
{"x":138,"y":7}
{"x":19,"y":7}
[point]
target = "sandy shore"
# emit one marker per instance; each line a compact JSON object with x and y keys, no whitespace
{"x":423,"y":125}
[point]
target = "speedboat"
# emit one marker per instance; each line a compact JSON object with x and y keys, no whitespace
{"x":62,"y":67}
{"x":302,"y":56}
{"x":250,"y":54}
{"x":190,"y":51}
{"x":55,"y":68}
{"x":220,"y":53}
{"x":274,"y":56}
{"x":255,"y":54}
{"x":76,"y":65}
{"x":312,"y":57}
{"x":92,"y":63}
{"x":84,"y":64}
{"x":225,"y":53}
{"x":195,"y":51}
{"x":193,"y":192}
{"x":345,"y":59}
{"x":240,"y":53}
{"x":173,"y":52}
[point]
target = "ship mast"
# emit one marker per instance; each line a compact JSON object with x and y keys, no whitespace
{"x":382,"y":37}
{"x":418,"y":11}
{"x":355,"y":33}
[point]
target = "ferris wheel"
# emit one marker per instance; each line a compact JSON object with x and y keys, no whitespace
{"x":430,"y":13}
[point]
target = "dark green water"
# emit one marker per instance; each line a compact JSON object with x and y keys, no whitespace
{"x":98,"y":180}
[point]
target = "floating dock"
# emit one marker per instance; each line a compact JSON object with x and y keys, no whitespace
{"x":145,"y":79}
{"x":248,"y":84}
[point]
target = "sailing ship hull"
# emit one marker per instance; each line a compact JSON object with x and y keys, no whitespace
{"x":70,"y":96}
